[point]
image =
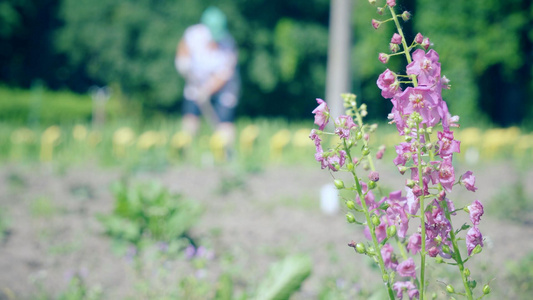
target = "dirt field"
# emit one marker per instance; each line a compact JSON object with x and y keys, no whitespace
{"x":255,"y":218}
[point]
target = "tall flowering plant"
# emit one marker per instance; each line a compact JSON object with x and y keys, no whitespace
{"x":410,"y":226}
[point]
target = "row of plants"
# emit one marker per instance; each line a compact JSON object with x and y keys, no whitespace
{"x":259,"y":142}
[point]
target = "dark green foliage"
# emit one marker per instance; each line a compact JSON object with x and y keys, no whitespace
{"x":485,"y":46}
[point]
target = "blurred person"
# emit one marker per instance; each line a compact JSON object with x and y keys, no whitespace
{"x":206,"y":57}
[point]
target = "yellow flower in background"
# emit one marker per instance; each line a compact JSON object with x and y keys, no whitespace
{"x":122,"y":138}
{"x":22,"y":135}
{"x":180,"y":140}
{"x":218,"y":144}
{"x":278,"y":142}
{"x":151,"y":139}
{"x":301,"y":138}
{"x":94,"y":138}
{"x":247,"y":138}
{"x":494,"y":140}
{"x":49,"y":139}
{"x":79,"y":132}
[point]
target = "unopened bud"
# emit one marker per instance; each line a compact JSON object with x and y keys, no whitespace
{"x":376,"y":23}
{"x":373,"y":176}
{"x":486,"y":289}
{"x":419,"y":38}
{"x":385,"y":277}
{"x":410,"y":183}
{"x":450,"y":289}
{"x":339,"y":184}
{"x":467,"y":272}
{"x":372,"y":2}
{"x":360,"y":248}
{"x":350,"y":204}
{"x":350,"y":166}
{"x":406,"y":16}
{"x":358,"y":135}
{"x":365,"y":151}
{"x":402,"y":169}
{"x":477,"y":249}
{"x":439,"y":260}
{"x":446,"y":249}
{"x":429,"y":130}
{"x":384,"y":206}
{"x":394,"y":47}
{"x":380,"y":11}
{"x":371,"y":185}
{"x":350,"y":218}
{"x":384,"y":58}
{"x":375,"y":220}
{"x":425,"y":43}
{"x":391,"y":231}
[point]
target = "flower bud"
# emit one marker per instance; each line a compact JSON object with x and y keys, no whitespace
{"x":391,"y":3}
{"x":391,"y":231}
{"x":450,"y":289}
{"x":477,"y":249}
{"x":371,"y":185}
{"x":394,"y":47}
{"x":365,"y":151}
{"x":350,"y":166}
{"x":360,"y":248}
{"x":350,"y":204}
{"x":429,"y":130}
{"x":385,"y":277}
{"x":373,"y":176}
{"x":410,"y":183}
{"x":375,"y":220}
{"x":380,"y":11}
{"x":486,"y":289}
{"x":439,"y":260}
{"x":396,"y":39}
{"x":358,"y":135}
{"x":466,"y":272}
{"x":384,"y":58}
{"x":350,"y":218}
{"x":419,"y":38}
{"x":339,"y":184}
{"x":372,"y":2}
{"x":425,"y":43}
{"x":438,"y":239}
{"x":375,"y":23}
{"x":446,"y":249}
{"x":406,"y":16}
{"x":402,"y":169}
{"x":384,"y":206}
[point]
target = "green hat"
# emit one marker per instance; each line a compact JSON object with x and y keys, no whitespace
{"x":216,"y":21}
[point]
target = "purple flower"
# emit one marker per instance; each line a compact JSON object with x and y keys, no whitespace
{"x":469,"y":180}
{"x":476,"y":211}
{"x":391,"y":3}
{"x":473,"y":238}
{"x":446,"y":174}
{"x":389,"y":84}
{"x":447,"y":144}
{"x":415,"y":243}
{"x":400,"y":286}
{"x":425,"y":66}
{"x":387,"y":253}
{"x":407,"y":268}
{"x":398,"y":217}
{"x":343,"y":125}
{"x":321,"y":114}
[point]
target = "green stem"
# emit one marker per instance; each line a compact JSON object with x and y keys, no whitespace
{"x":404,"y":43}
{"x":371,"y":228}
{"x":457,"y":254}
{"x":422,"y":222}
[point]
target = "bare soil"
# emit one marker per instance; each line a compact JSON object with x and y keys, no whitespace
{"x":256,"y":218}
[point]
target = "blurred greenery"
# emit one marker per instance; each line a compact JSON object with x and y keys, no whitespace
{"x":485,"y":47}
